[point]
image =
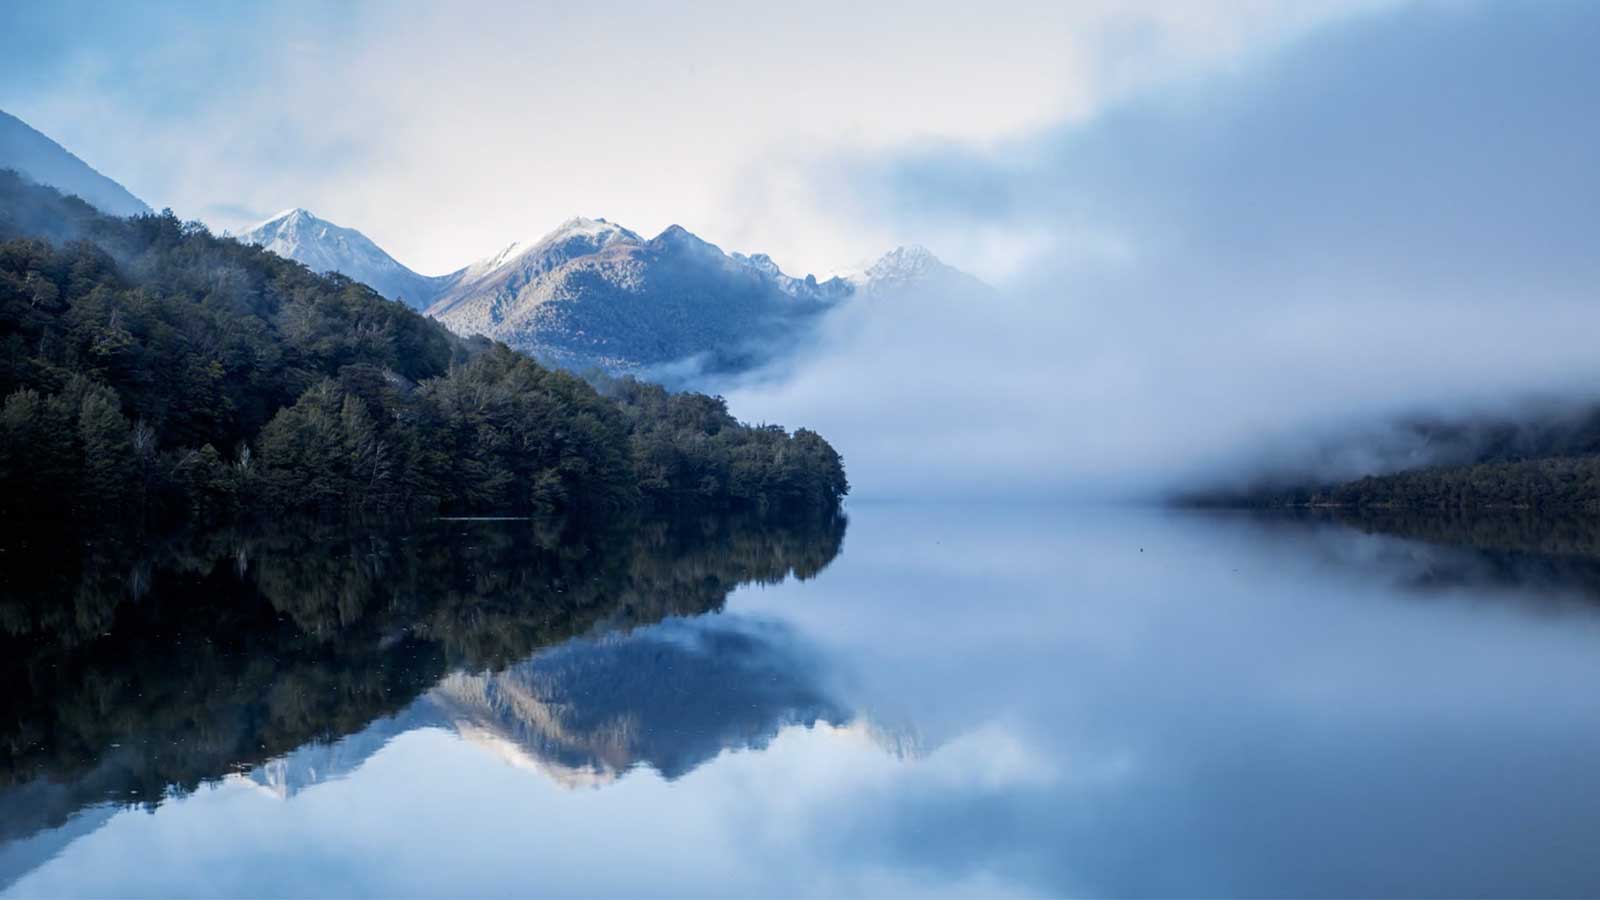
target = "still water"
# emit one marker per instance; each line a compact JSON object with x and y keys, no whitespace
{"x":978,"y":700}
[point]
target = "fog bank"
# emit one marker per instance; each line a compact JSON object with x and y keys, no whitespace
{"x":1390,"y":216}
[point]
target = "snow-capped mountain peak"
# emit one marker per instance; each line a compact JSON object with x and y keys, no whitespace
{"x":295,"y":225}
{"x":322,"y":246}
{"x":600,"y":230}
{"x":761,"y":262}
{"x":577,"y":236}
{"x":903,"y":264}
{"x":294,"y":215}
{"x":678,"y":237}
{"x":490,"y":263}
{"x":914,"y":267}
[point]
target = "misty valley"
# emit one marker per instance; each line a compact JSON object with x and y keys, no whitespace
{"x":835,"y":449}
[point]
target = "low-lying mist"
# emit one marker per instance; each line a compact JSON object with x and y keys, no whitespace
{"x":1272,"y":271}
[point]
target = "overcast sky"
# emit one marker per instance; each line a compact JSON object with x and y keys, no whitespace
{"x":446,"y":130}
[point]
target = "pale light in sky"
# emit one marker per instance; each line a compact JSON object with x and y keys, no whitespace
{"x":445,"y":131}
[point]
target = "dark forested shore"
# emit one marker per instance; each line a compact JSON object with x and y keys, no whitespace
{"x":1542,"y":455}
{"x":1563,"y":484}
{"x":152,"y":370}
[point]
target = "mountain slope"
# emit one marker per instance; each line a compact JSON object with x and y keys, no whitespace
{"x":46,"y":162}
{"x":325,"y":247}
{"x":915,"y":271}
{"x":131,"y":357}
{"x":592,"y":293}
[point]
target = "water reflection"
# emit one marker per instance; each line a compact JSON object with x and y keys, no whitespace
{"x":146,"y":671}
{"x":1546,"y":560}
{"x":670,"y":697}
{"x":1086,"y":702}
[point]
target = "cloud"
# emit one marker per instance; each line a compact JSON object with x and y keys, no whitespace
{"x":1388,"y":214}
{"x":446,"y":131}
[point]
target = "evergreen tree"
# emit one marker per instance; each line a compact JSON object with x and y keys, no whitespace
{"x":131,"y":350}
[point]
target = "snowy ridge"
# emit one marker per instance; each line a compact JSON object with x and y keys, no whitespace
{"x":325,"y":247}
{"x":592,"y":293}
{"x":914,"y":270}
{"x":577,"y":235}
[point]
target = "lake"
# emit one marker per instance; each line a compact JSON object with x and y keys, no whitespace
{"x":930,"y":699}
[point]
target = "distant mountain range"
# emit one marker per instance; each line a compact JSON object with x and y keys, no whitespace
{"x":593,"y":294}
{"x":46,"y":162}
{"x":589,"y":295}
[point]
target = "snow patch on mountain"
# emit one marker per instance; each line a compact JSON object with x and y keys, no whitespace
{"x":594,"y":293}
{"x":325,"y":247}
{"x":914,"y":270}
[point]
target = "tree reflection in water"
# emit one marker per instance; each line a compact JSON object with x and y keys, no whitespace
{"x":140,"y":672}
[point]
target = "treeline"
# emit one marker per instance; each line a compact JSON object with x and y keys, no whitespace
{"x":1564,"y":483}
{"x":1559,"y":483}
{"x":150,"y":368}
{"x":686,"y":447}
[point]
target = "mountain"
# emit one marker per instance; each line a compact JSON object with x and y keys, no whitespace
{"x":592,"y":293}
{"x":914,"y":270}
{"x":325,"y":247}
{"x":670,"y":697}
{"x":156,"y":335}
{"x":46,"y":162}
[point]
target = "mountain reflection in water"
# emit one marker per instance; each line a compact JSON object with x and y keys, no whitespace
{"x":147,"y":671}
{"x":669,"y":696}
{"x":978,"y":699}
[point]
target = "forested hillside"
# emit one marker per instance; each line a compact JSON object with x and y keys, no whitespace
{"x":151,"y":368}
{"x":1570,"y":483}
{"x":1541,"y":454}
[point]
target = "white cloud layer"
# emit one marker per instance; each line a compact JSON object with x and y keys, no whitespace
{"x":1391,"y":214}
{"x":445,"y":131}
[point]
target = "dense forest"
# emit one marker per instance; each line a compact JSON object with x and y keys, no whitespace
{"x":1546,"y":457}
{"x":1561,"y":483}
{"x":1558,"y":483}
{"x":149,"y":368}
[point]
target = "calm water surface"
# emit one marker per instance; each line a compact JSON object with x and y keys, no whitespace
{"x":986,"y":700}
